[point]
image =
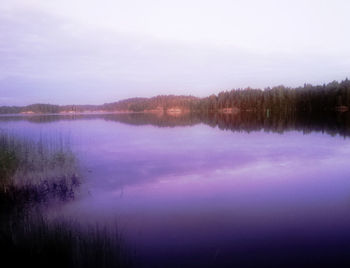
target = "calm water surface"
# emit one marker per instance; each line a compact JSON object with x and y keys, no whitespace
{"x":196,"y":196}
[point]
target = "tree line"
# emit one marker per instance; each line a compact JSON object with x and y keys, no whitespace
{"x":327,"y":97}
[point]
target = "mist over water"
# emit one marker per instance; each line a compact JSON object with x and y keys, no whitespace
{"x":214,"y":190}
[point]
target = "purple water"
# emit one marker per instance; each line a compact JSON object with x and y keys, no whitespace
{"x":197,"y":196}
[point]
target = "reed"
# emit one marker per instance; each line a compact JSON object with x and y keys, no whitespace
{"x":34,"y":241}
{"x":36,"y":170}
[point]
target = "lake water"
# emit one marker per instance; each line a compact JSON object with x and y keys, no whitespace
{"x":211,"y":192}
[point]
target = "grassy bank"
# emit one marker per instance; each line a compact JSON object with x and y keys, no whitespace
{"x":32,"y":173}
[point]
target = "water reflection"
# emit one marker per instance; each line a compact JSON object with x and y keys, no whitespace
{"x":331,"y":123}
{"x":197,"y":196}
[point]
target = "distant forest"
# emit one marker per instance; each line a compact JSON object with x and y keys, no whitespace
{"x":334,"y":96}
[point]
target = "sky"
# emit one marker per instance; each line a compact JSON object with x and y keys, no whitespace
{"x":92,"y":52}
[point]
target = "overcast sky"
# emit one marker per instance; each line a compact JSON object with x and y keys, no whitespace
{"x":84,"y":51}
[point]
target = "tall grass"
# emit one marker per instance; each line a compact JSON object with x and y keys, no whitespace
{"x":33,"y":241}
{"x":35,"y":171}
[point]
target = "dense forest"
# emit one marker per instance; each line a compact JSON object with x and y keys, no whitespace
{"x":328,"y":97}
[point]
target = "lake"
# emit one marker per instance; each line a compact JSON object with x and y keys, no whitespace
{"x":211,"y":191}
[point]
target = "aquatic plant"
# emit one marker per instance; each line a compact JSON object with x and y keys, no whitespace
{"x":35,"y":170}
{"x":35,"y":241}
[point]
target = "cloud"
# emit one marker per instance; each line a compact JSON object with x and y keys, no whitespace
{"x":51,"y":58}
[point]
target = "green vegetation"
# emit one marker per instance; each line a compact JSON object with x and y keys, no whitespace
{"x":334,"y":96}
{"x":330,"y":97}
{"x":35,"y":171}
{"x":34,"y":108}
